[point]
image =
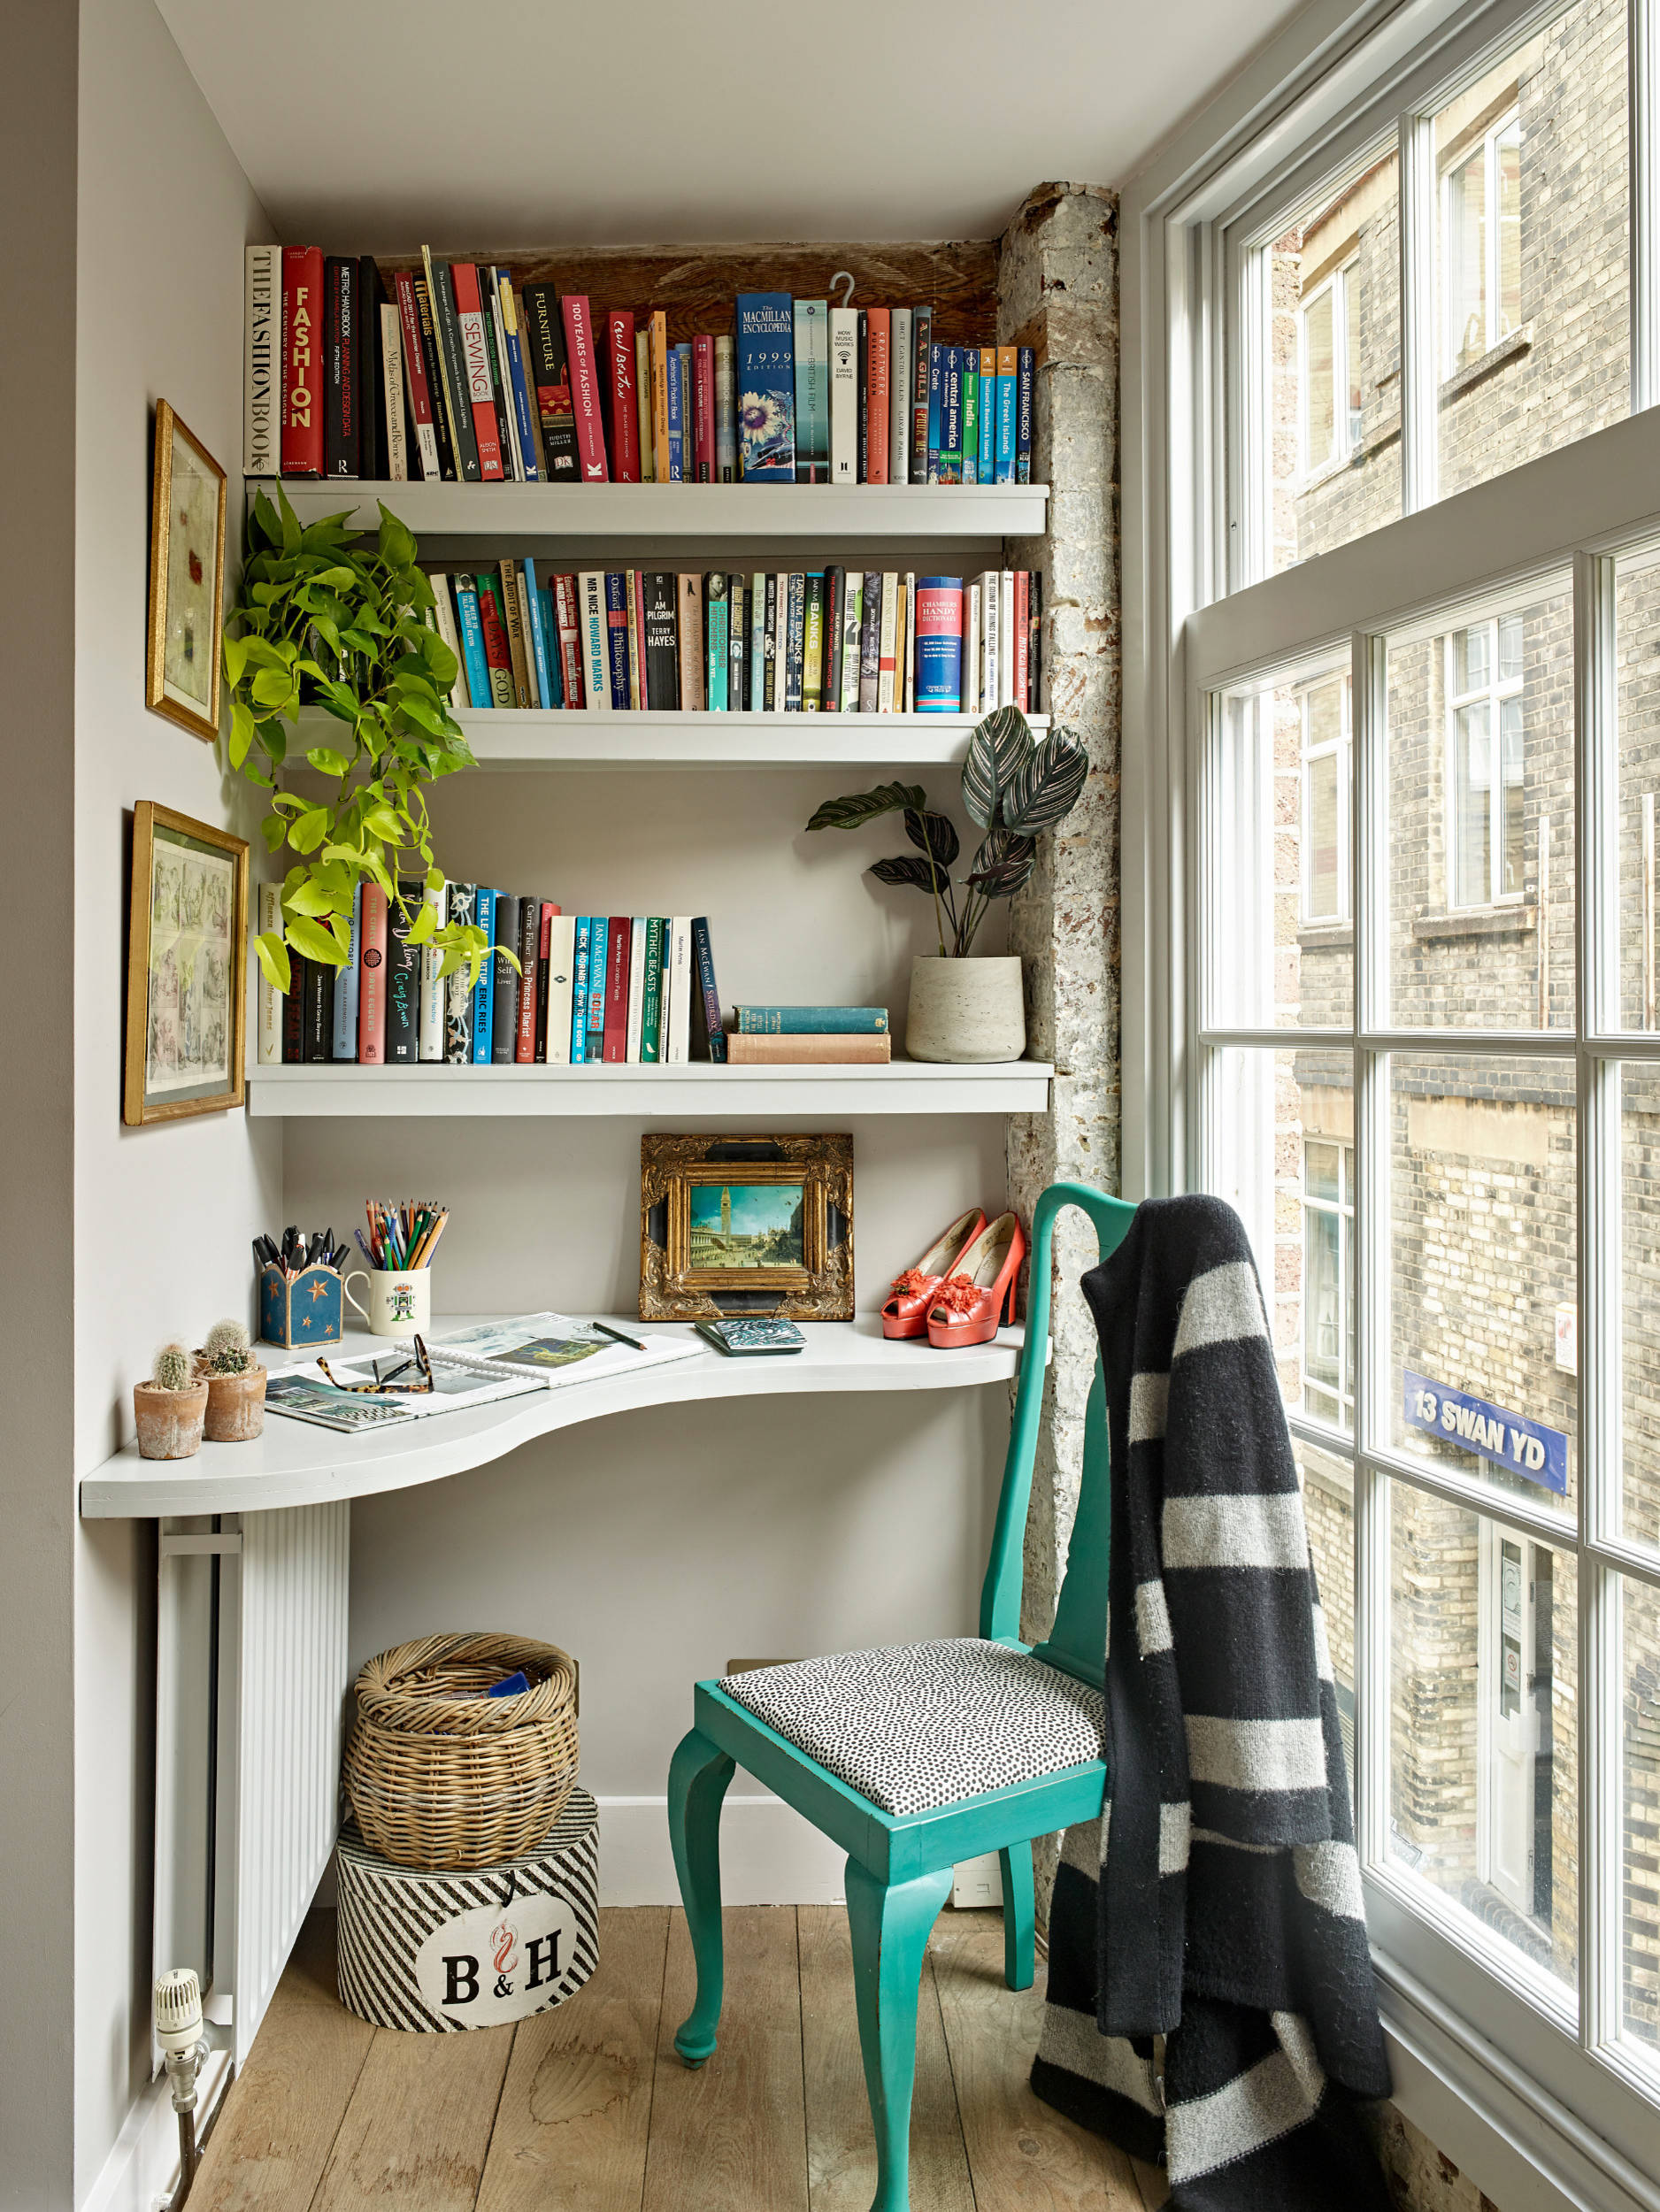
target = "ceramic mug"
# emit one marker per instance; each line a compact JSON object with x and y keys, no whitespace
{"x":400,"y":1301}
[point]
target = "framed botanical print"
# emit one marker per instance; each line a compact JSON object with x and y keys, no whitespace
{"x":186,"y":968}
{"x":187,"y":579}
{"x":746,"y":1224}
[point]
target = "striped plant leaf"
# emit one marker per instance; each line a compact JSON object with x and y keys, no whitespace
{"x":1044,"y":789}
{"x":909,"y":869}
{"x":1003,"y":863}
{"x":866,"y":806}
{"x":999,"y":747}
{"x":932,"y":832}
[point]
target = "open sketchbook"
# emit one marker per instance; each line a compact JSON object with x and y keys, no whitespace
{"x":474,"y":1367}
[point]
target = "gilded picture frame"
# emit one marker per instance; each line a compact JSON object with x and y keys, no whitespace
{"x":187,"y":579}
{"x":186,"y":968}
{"x":749,"y":1225}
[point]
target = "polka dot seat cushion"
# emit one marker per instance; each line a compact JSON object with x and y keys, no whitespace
{"x":915,"y":1726}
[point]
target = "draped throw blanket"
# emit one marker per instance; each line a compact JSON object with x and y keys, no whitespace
{"x":1216,"y":1904}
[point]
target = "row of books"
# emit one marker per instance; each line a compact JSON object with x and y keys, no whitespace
{"x":454,"y":373}
{"x":830,"y":640}
{"x":637,"y":988}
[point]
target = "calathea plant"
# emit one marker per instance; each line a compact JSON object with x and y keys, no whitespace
{"x":322,"y":621}
{"x":1014,"y":789}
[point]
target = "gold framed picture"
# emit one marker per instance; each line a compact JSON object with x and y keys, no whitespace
{"x":745,"y":1225}
{"x":187,"y":977}
{"x":187,"y":579}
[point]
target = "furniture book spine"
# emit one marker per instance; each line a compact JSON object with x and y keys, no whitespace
{"x":497,"y":653}
{"x":550,"y":375}
{"x":544,"y":978}
{"x":432,"y":358}
{"x":659,"y":347}
{"x":767,"y":395}
{"x":484,"y":989}
{"x":470,"y":622}
{"x":343,"y":425}
{"x":1022,"y":639}
{"x":1023,"y":381}
{"x":651,"y":994}
{"x":844,"y":395}
{"x":938,"y":679}
{"x":505,"y":1002}
{"x":317,"y":1033}
{"x":392,"y":398}
{"x":921,"y":379}
{"x":725,"y":412}
{"x":344,"y":1043}
{"x":716,"y":611}
{"x":501,"y":376}
{"x":617,"y":638}
{"x":403,"y":976}
{"x":579,"y":342}
{"x":737,"y":641}
{"x":590,"y":586}
{"x":625,"y":404}
{"x":452,"y":369}
{"x":886,"y":640}
{"x":583,"y":942}
{"x":1005,"y":638}
{"x":420,"y":404}
{"x":643,"y":428}
{"x":262,"y":361}
{"x":270,"y":999}
{"x":1004,"y":438}
{"x":703,"y":953}
{"x":905,"y":690}
{"x":561,"y":969}
{"x":513,"y":623}
{"x":792,"y":1021}
{"x":690,"y":603}
{"x":302,"y":361}
{"x":662,"y":652}
{"x":567,"y":610}
{"x":870,"y":642}
{"x":988,"y":414}
{"x":529,"y":950}
{"x":809,"y":1051}
{"x":900,"y":378}
{"x":677,"y":985}
{"x":464,"y":908}
{"x":879,"y":403}
{"x":598,"y":976}
{"x":372,"y":979}
{"x":618,"y":953}
{"x":703,"y":470}
{"x":434,"y":988}
{"x":810,"y":345}
{"x":865,"y":394}
{"x":477,"y":386}
{"x":544,"y":649}
{"x":852,"y":629}
{"x":795,"y":626}
{"x":971,"y":414}
{"x":523,"y":412}
{"x":294,"y":1011}
{"x":637,"y":987}
{"x":835,"y":592}
{"x":812,"y":614}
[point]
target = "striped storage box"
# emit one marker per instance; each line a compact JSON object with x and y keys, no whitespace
{"x":437,"y":1952}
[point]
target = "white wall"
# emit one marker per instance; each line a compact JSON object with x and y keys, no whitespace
{"x":163,"y":1214}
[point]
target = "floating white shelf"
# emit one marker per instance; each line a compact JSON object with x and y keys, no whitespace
{"x":295,"y":1463}
{"x":743,"y":514}
{"x":904,"y":1086}
{"x":513,"y":738}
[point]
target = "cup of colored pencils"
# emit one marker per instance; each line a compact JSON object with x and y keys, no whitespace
{"x":402,"y":1236}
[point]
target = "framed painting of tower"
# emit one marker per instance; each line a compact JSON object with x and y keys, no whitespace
{"x":750,"y":1224}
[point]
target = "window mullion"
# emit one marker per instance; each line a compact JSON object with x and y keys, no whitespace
{"x":1420,"y":349}
{"x":1643,"y":25}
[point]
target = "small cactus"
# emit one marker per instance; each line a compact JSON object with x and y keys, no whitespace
{"x":175,"y":1368}
{"x":226,"y":1351}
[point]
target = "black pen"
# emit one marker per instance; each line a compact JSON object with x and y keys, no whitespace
{"x":638,"y":1344}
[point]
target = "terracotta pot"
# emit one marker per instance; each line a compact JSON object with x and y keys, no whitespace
{"x":169,"y":1421}
{"x":963,"y":1010}
{"x":235,"y":1406}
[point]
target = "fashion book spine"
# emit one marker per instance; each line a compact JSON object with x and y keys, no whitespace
{"x":579,"y":341}
{"x":262,"y":361}
{"x":302,"y":361}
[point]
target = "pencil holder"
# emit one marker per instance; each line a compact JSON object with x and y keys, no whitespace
{"x":300,"y":1310}
{"x":400,"y":1300}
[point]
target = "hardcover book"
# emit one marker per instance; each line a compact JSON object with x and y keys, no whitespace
{"x":837,"y":1050}
{"x":712,"y":1039}
{"x":716,"y":611}
{"x":302,"y":361}
{"x":544,"y":334}
{"x":766,"y":378}
{"x":443,"y":435}
{"x":625,"y":416}
{"x":792,"y":1021}
{"x":504,"y":1004}
{"x":501,"y":387}
{"x":518,"y":643}
{"x":317,"y":1012}
{"x":1024,"y":371}
{"x":662,"y":650}
{"x":690,"y":596}
{"x":477,"y":382}
{"x":844,"y":395}
{"x":619,"y":939}
{"x":555,"y":1024}
{"x":812,"y":641}
{"x":434,"y":989}
{"x":394,"y":406}
{"x":528,"y":948}
{"x":464,"y":907}
{"x":415,"y":384}
{"x":372,"y":979}
{"x":811,"y":342}
{"x":878,"y":399}
{"x":725,"y":413}
{"x":702,"y":469}
{"x":484,"y":989}
{"x":939,"y":677}
{"x":870,"y":642}
{"x":901,"y":375}
{"x":579,"y":339}
{"x":651,"y":1000}
{"x":262,"y":361}
{"x":403,"y":976}
{"x":358,"y":322}
{"x":452,"y":368}
{"x":921,"y":382}
{"x":617,"y":652}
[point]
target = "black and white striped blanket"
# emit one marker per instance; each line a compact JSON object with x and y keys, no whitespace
{"x":1217,"y":1903}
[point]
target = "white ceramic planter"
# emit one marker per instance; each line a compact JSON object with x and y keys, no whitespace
{"x":965,"y":1010}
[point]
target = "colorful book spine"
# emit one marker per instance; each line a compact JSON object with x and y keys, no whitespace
{"x":812,"y":641}
{"x":675,"y":407}
{"x":499,"y":653}
{"x":795,"y":641}
{"x":757,"y":642}
{"x":835,"y":592}
{"x":921,"y":380}
{"x":637,"y":987}
{"x":1023,"y":381}
{"x":888,"y":648}
{"x":598,"y":959}
{"x":579,"y":344}
{"x":583,"y":944}
{"x":464,"y":910}
{"x":568,"y":629}
{"x":725,"y":412}
{"x":852,"y":623}
{"x":544,"y":959}
{"x":659,"y":346}
{"x":651,"y":994}
{"x":393,"y":405}
{"x":988,"y":460}
{"x":811,"y":1021}
{"x":453,"y":368}
{"x":810,"y":338}
{"x":505,"y":1003}
{"x":550,"y":376}
{"x":878,"y":397}
{"x":301,"y":444}
{"x":596,"y":638}
{"x":403,"y":976}
{"x":371,"y":978}
{"x":415,"y":384}
{"x":936,"y":370}
{"x":530,"y":914}
{"x":642,"y":405}
{"x":717,"y":615}
{"x":515,"y":621}
{"x":703,"y":958}
{"x":432,"y":357}
{"x":544,"y":651}
{"x":971,"y":414}
{"x":434,"y":988}
{"x":1003,"y":435}
{"x":939,"y":679}
{"x":703,"y":410}
{"x":871,"y":642}
{"x":766,"y":379}
{"x":501,"y":378}
{"x":625,"y":409}
{"x":633,"y":582}
{"x":951,"y":415}
{"x":616,"y":641}
{"x":262,"y":361}
{"x":618,"y":951}
{"x":523,"y":412}
{"x":484,"y":989}
{"x":346,"y":986}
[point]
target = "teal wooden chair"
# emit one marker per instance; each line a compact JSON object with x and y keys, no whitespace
{"x":899,"y":1864}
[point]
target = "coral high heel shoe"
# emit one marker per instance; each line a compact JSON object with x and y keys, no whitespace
{"x":979,"y":1290}
{"x":906,"y":1312}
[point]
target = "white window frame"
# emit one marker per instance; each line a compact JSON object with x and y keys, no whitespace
{"x":1509,"y":125}
{"x":1535,"y":2106}
{"x":1341,"y":748}
{"x":1344,"y":434}
{"x":1493,"y":694}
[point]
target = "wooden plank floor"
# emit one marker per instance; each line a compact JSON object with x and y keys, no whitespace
{"x":587,"y":2109}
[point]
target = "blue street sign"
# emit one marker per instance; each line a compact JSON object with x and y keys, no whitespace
{"x":1510,"y":1440}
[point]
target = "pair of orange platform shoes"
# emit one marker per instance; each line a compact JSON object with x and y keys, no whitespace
{"x":962,"y":1286}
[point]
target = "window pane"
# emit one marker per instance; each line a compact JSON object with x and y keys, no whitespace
{"x":1480,"y":778}
{"x":1534,"y":313}
{"x":1276,"y":870}
{"x":1640,"y":1822}
{"x":1482,"y":1257}
{"x":1483,"y":1764}
{"x":1637,"y":646}
{"x":1335,"y":270}
{"x":1639,"y":1303}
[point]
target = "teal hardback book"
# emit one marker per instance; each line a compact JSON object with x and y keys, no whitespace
{"x":811,"y":1021}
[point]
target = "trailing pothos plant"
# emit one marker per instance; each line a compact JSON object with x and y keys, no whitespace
{"x":322,"y":621}
{"x":1014,"y":788}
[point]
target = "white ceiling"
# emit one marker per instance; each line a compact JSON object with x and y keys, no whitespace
{"x":375,"y":123}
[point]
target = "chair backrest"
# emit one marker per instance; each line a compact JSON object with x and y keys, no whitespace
{"x":1077,"y":1643}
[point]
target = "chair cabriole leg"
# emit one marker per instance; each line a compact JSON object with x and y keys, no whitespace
{"x":698,"y":1776}
{"x":1020,"y":1917}
{"x":889,"y":1926}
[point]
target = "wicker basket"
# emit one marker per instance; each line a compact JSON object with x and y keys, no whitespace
{"x":443,"y":1778}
